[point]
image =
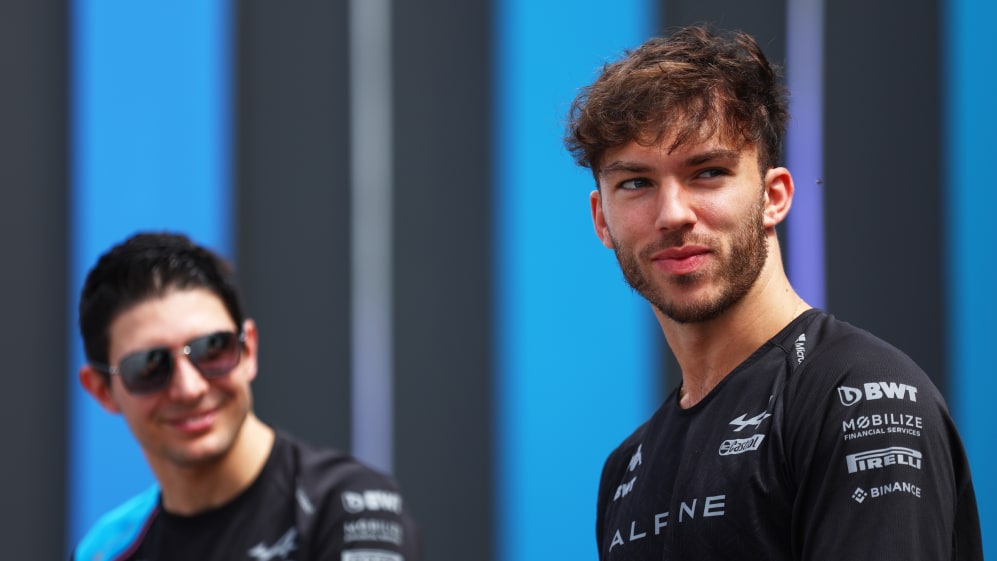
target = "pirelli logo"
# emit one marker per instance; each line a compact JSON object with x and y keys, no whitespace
{"x":882,"y":458}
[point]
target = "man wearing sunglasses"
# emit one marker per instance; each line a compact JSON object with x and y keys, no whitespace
{"x":169,"y":349}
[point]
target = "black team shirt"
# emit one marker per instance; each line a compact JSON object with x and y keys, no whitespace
{"x":826,"y":443}
{"x":308,"y":504}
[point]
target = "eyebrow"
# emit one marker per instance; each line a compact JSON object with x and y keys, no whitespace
{"x":718,"y":154}
{"x":694,"y":160}
{"x":621,"y":166}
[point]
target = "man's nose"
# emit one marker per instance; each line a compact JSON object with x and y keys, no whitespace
{"x":675,"y":206}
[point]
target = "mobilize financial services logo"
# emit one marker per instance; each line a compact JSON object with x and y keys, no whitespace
{"x":876,"y":390}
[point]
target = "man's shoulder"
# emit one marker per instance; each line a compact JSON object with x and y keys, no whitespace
{"x":327,"y":469}
{"x":120,"y":529}
{"x":829,"y":336}
{"x":839,"y":362}
{"x":631,"y":447}
{"x":827,"y":347}
{"x":338,"y":497}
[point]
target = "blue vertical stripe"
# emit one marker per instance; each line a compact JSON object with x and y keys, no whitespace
{"x":805,"y":147}
{"x":150,"y":150}
{"x":576,"y":367}
{"x":971,"y":117}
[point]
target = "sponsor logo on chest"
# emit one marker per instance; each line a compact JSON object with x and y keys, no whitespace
{"x":687,"y":511}
{"x":883,"y":458}
{"x":735,"y":446}
{"x":875,"y":391}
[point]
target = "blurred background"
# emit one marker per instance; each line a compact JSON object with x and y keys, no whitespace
{"x":415,"y":243}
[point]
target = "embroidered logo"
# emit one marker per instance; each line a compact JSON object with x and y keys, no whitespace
{"x":741,"y":422}
{"x":628,"y":486}
{"x":282,"y":548}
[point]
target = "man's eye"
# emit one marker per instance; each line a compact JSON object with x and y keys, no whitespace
{"x":712,"y":172}
{"x":637,"y":183}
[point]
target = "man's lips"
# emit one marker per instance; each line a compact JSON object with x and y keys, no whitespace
{"x":194,"y":422}
{"x":681,"y":260}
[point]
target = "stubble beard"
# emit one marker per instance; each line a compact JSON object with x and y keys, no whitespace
{"x":216,"y":446}
{"x":739,"y":268}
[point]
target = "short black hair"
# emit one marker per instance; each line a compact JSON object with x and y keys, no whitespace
{"x":148,"y":265}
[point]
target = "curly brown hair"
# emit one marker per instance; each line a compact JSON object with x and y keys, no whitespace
{"x":690,"y":86}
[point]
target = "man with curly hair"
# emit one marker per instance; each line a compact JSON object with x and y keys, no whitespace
{"x":793,"y":435}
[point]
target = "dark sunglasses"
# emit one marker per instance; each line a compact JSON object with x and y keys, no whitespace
{"x":149,"y":371}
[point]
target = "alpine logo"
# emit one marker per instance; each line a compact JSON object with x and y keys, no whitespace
{"x":636,"y":459}
{"x":741,"y":422}
{"x":876,"y":390}
{"x":882,"y":458}
{"x":801,"y":347}
{"x":741,"y":445}
{"x":283,"y":547}
{"x":688,"y":511}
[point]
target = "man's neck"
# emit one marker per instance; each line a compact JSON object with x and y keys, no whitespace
{"x":192,"y":489}
{"x":708,"y":351}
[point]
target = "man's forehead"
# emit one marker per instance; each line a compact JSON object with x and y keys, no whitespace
{"x":690,"y":151}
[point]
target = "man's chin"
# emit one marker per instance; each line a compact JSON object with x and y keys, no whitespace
{"x":207,"y":450}
{"x":691,"y":310}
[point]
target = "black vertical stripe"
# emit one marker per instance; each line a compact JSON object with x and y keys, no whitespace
{"x":442,"y":273}
{"x":883,"y":195}
{"x":33,"y":288}
{"x":765,"y":20}
{"x":293,"y":199}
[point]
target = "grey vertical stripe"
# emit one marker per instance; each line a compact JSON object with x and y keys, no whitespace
{"x":443,"y":278}
{"x":372,"y":164}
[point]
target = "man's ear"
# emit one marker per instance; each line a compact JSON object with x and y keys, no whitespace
{"x":250,"y":348}
{"x":778,"y":196}
{"x":599,"y":219}
{"x":98,"y":384}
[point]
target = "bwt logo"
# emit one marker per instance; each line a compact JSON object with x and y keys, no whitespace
{"x":876,"y":390}
{"x":372,"y":500}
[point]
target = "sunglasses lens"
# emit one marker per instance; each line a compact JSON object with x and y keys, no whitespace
{"x":216,"y":354}
{"x":150,"y":371}
{"x":147,"y":371}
